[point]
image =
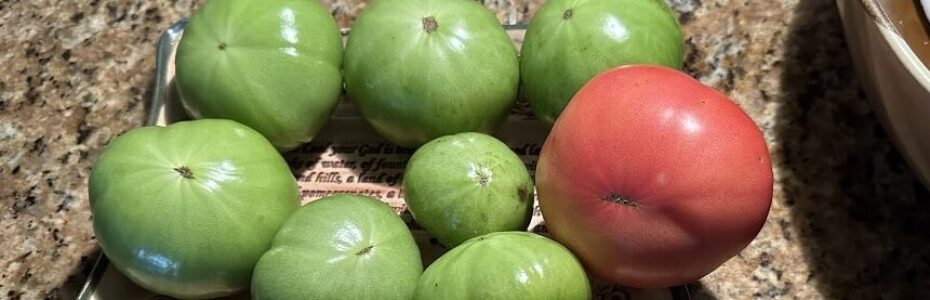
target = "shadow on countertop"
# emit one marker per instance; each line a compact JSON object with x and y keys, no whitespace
{"x":861,"y":215}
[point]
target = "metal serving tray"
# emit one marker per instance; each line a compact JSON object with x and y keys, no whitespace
{"x":345,"y":147}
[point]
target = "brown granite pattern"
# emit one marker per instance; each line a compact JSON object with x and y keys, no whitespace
{"x":74,"y":75}
{"x":847,"y":219}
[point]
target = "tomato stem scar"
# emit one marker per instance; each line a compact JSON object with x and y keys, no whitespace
{"x":483,"y":180}
{"x":185,"y":172}
{"x":612,"y":197}
{"x":364,"y":250}
{"x":567,"y":14}
{"x":429,"y":24}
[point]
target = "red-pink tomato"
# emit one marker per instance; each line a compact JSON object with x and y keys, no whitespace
{"x":652,"y":178}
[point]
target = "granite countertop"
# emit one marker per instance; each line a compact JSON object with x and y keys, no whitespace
{"x":845,"y":223}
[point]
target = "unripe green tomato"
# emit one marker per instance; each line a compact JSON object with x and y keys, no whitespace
{"x":340,"y":247}
{"x":505,"y":266}
{"x":570,"y":41}
{"x":186,"y":210}
{"x":421,"y":69}
{"x":466,"y":185}
{"x":272,"y":65}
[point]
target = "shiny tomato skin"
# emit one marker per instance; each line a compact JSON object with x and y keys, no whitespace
{"x":652,"y":178}
{"x":422,"y":69}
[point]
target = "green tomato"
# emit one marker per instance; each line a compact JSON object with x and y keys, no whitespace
{"x":421,"y":69}
{"x":466,"y":185}
{"x":570,"y":41}
{"x":340,"y":247}
{"x":186,"y":210}
{"x":272,"y":65}
{"x":505,"y":265}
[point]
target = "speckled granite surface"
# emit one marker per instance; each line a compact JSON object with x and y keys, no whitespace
{"x":848,"y":221}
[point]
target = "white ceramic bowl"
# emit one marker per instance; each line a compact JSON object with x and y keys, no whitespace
{"x":890,"y":44}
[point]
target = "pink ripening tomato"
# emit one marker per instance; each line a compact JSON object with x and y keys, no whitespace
{"x":652,"y":178}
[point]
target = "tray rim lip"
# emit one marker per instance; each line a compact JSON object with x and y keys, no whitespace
{"x":163,"y":51}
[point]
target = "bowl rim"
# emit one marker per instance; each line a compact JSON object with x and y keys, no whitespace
{"x":896,"y":41}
